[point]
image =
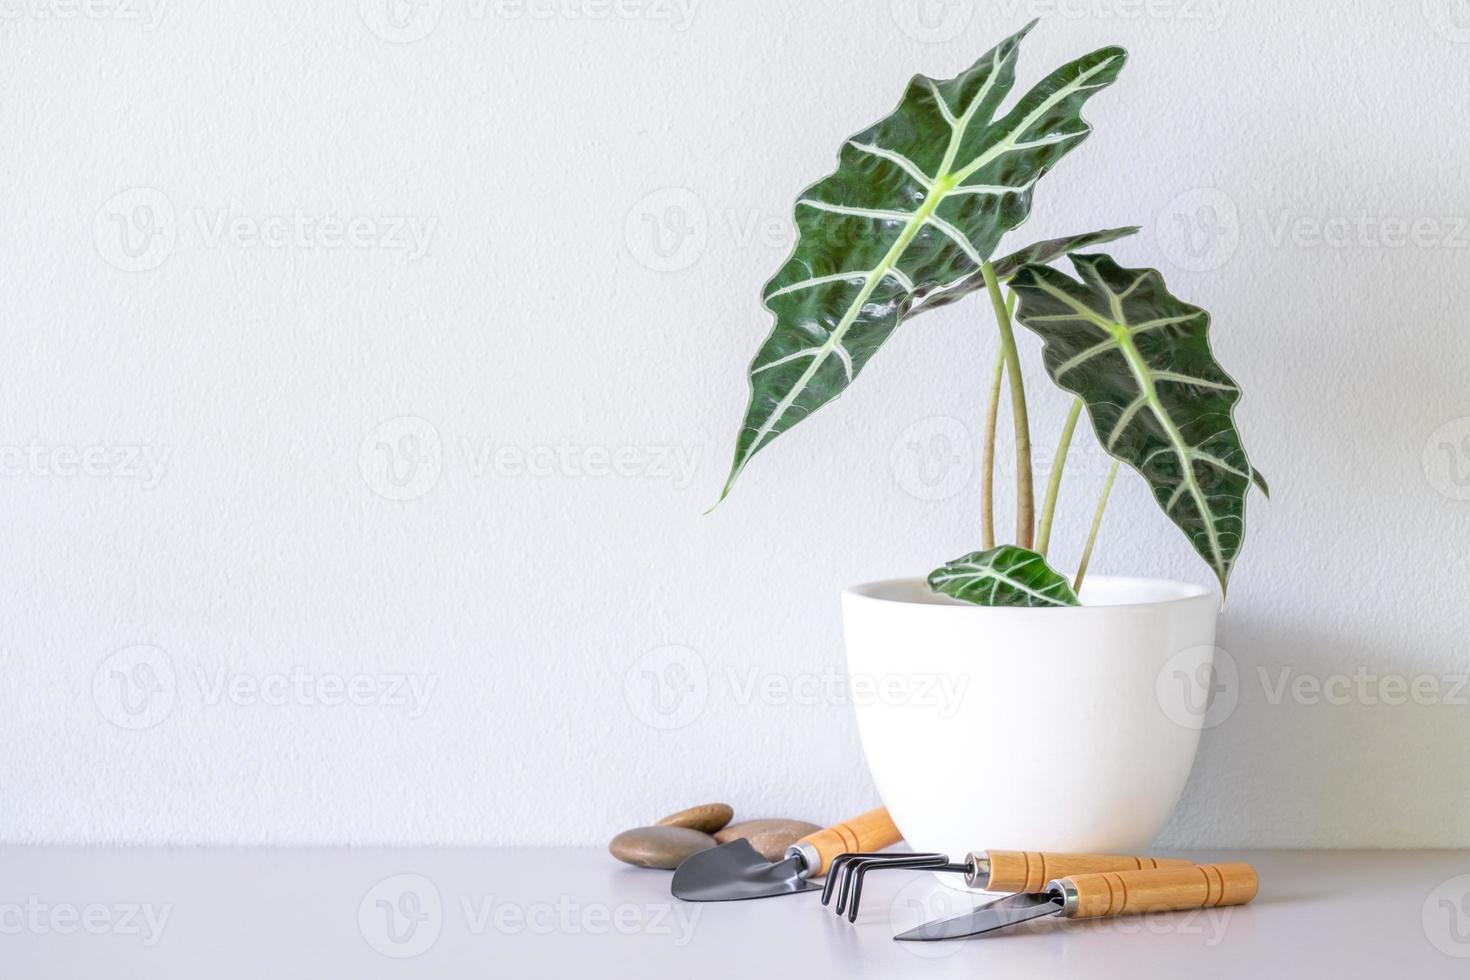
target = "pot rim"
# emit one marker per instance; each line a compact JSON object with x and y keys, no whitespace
{"x":1173,"y":593}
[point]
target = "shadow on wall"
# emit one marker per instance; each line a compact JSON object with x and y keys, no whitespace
{"x":1317,"y":739}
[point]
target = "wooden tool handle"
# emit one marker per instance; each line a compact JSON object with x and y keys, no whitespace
{"x":1029,"y":871}
{"x":869,"y":832}
{"x":1122,"y":892}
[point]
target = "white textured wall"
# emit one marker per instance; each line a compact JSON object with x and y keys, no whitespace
{"x":195,"y":431}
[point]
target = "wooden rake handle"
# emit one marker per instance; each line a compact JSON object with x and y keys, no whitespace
{"x":1029,"y":871}
{"x":872,"y":831}
{"x":1125,"y":892}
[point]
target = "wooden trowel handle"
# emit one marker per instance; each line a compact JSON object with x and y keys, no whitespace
{"x":1123,"y":892}
{"x":1029,"y":871}
{"x":870,"y":832}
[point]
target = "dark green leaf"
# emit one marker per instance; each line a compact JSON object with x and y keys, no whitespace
{"x":1038,"y":252}
{"x":916,"y":203}
{"x":1159,"y":401}
{"x":1004,"y":576}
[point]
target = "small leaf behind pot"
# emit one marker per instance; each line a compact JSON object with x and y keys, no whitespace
{"x":1004,"y":576}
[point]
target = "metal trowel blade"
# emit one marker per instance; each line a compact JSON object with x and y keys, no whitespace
{"x":735,"y":871}
{"x":987,"y":918}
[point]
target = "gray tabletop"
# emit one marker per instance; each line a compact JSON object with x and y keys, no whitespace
{"x":284,"y":913}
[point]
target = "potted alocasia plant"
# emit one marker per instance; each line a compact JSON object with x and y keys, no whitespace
{"x":1068,"y":735}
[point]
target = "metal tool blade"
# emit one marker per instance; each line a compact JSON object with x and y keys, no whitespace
{"x":736,"y":871}
{"x":987,"y":918}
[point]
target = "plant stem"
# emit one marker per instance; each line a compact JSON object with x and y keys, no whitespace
{"x":987,"y":456}
{"x":1102,"y":505}
{"x":1025,"y":497}
{"x":1054,"y":482}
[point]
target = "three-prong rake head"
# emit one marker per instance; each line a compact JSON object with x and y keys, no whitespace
{"x":845,"y":876}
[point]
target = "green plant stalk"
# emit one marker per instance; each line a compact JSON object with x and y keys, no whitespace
{"x":1054,"y":482}
{"x":987,"y":455}
{"x":1025,"y":495}
{"x":1102,"y":505}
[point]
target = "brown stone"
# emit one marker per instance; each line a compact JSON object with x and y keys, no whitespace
{"x":769,"y":837}
{"x":658,"y":847}
{"x":707,"y":817}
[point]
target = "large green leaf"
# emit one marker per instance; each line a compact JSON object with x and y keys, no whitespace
{"x":916,"y":203}
{"x":1140,"y":358}
{"x":1037,"y":252}
{"x":1004,"y":576}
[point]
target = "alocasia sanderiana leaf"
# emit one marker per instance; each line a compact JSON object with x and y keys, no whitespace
{"x":1003,"y":576}
{"x":1037,"y":252}
{"x":1140,"y":359}
{"x":1041,"y":253}
{"x":918,"y":201}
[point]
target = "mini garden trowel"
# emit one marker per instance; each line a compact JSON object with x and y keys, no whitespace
{"x":1106,"y":893}
{"x":737,"y":870}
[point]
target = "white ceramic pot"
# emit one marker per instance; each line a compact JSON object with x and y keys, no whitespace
{"x":1069,"y":729}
